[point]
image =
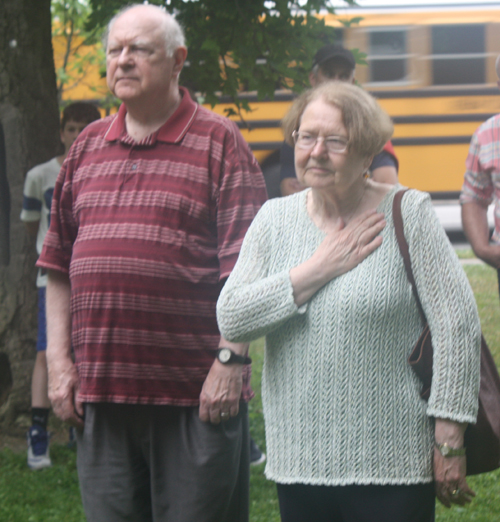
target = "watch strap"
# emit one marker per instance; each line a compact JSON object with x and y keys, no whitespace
{"x":234,"y":358}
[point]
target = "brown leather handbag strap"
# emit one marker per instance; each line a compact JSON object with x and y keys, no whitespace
{"x":397,"y":219}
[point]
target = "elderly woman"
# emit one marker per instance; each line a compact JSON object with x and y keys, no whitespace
{"x":321,"y":276}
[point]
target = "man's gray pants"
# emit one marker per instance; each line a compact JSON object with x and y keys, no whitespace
{"x":162,"y":464}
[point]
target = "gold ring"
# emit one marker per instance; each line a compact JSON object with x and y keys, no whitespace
{"x":455,"y":492}
{"x":224,"y":414}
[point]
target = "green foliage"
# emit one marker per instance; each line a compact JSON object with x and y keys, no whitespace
{"x":82,"y":44}
{"x":256,"y":45}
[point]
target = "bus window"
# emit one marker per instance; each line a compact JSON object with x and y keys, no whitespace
{"x":388,"y":55}
{"x":458,"y":54}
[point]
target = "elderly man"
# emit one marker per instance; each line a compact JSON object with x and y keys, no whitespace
{"x":334,"y":62}
{"x":481,"y":187}
{"x":148,"y":216}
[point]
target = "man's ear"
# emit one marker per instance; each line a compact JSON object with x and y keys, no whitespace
{"x":179,"y":57}
{"x":312,"y":79}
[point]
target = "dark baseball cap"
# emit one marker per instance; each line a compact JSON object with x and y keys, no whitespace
{"x":331,"y":51}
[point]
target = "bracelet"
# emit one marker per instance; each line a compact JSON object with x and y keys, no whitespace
{"x":447,"y":451}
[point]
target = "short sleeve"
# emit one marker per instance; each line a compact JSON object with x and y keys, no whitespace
{"x":32,"y":197}
{"x":58,"y":244}
{"x":241,"y":193}
{"x":477,"y":181}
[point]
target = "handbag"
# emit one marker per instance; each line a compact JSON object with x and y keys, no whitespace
{"x":482,"y":439}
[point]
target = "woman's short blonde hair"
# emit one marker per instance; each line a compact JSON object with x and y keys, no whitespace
{"x":368,"y":126}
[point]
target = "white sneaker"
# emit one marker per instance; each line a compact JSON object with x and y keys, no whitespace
{"x":38,"y":448}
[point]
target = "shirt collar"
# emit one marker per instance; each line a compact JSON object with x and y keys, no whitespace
{"x":172,"y":131}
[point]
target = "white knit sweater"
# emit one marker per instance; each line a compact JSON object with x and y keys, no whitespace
{"x":341,"y":404}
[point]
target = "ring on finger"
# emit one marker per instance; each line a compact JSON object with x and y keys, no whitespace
{"x":455,"y":492}
{"x":224,"y":414}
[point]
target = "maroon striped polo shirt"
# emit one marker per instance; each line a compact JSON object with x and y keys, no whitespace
{"x":148,"y":231}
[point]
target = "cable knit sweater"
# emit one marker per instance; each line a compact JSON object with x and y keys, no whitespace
{"x":341,"y":404}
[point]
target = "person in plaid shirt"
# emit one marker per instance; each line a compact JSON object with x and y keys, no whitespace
{"x":482,"y":187}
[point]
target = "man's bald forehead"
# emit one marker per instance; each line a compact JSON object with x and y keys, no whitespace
{"x":171,"y":30}
{"x":153,"y":11}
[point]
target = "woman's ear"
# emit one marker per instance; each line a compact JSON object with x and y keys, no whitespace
{"x":367,"y":163}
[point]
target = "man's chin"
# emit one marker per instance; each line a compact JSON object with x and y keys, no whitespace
{"x":125,"y":94}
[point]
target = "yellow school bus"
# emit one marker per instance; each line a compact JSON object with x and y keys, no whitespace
{"x":433,"y":71}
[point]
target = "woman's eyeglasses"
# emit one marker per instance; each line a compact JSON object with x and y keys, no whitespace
{"x":306,"y":141}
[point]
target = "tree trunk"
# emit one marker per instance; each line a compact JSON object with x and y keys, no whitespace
{"x":29,"y":118}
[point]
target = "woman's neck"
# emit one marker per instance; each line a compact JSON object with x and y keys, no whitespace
{"x":326,"y":208}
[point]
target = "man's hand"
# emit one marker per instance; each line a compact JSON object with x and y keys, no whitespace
{"x":220,"y":395}
{"x":63,"y":377}
{"x":63,"y":391}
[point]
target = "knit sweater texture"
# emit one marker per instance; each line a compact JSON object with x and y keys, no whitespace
{"x":341,"y":404}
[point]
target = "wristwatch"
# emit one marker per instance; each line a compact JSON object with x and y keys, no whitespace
{"x":448,"y":451}
{"x":227,"y":356}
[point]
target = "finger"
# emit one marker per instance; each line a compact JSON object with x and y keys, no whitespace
{"x":466,"y":489}
{"x":235,"y":408}
{"x":442,"y":495}
{"x":460,"y":499}
{"x":225,"y":416}
{"x":369,"y":232}
{"x":215,"y":417}
{"x":79,"y":408}
{"x":76,"y":421}
{"x":229,"y":407}
{"x":365,"y":221}
{"x":443,"y":499}
{"x":363,"y":235}
{"x":368,"y":245}
{"x":203,"y":411}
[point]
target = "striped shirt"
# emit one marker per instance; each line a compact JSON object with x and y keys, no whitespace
{"x":482,"y":177}
{"x":148,"y":232}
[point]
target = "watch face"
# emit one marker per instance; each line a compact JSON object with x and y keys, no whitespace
{"x":224,"y":355}
{"x":444,"y":450}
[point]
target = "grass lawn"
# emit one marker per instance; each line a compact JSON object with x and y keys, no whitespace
{"x":51,"y":495}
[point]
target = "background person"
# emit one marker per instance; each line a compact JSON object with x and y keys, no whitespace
{"x":148,"y":216}
{"x":481,"y":187}
{"x":334,"y":62}
{"x":321,"y":276}
{"x":37,"y":200}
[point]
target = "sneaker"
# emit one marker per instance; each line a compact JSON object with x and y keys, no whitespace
{"x":256,"y":456}
{"x":38,"y":448}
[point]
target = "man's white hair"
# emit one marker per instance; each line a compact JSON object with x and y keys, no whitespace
{"x":172,"y":31}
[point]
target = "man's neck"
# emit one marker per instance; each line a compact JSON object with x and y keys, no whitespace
{"x":142,"y":121}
